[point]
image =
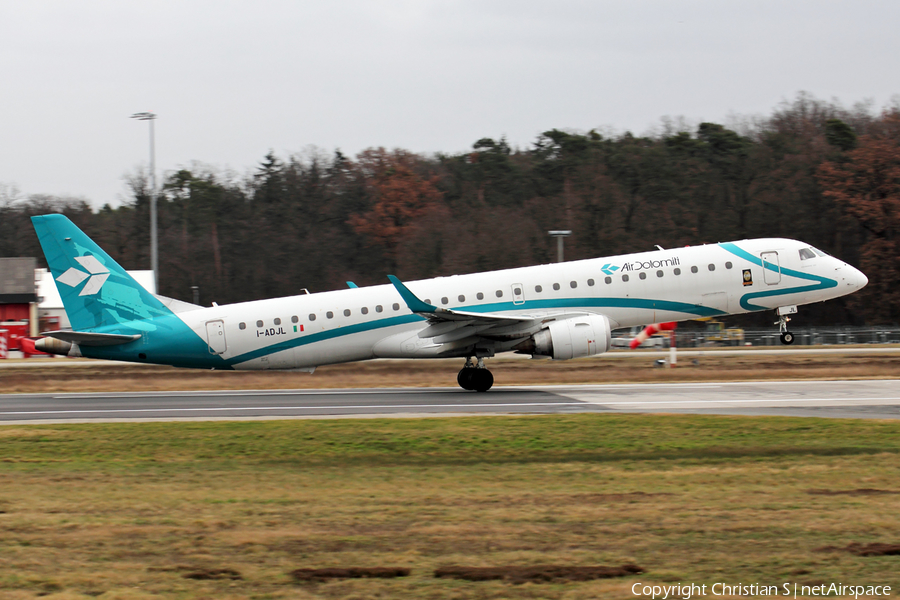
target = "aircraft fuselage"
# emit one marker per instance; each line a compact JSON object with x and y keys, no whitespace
{"x":309,"y":330}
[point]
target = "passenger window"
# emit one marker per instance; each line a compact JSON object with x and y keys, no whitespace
{"x":378,"y":308}
{"x":480,"y":296}
{"x":677,"y":271}
{"x":573,"y":284}
{"x":624,"y":277}
{"x":295,"y":319}
{"x":499,"y":293}
{"x":806,"y":253}
{"x":642,"y":275}
{"x":461,"y":298}
{"x":694,"y":269}
{"x":428,"y":301}
{"x":346,"y":312}
{"x":607,"y":279}
{"x":312,"y":316}
{"x":659,"y":273}
{"x":556,"y":286}
{"x":396,"y":306}
{"x":242,"y":326}
{"x":445,"y":300}
{"x":538,"y":289}
{"x":712,"y":267}
{"x":517,"y":291}
{"x":728,"y":265}
{"x":277,"y":321}
{"x":329,"y":315}
{"x":259,"y":323}
{"x":590,"y":282}
{"x":364,"y":310}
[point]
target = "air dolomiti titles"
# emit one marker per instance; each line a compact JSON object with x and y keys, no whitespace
{"x":651,"y":264}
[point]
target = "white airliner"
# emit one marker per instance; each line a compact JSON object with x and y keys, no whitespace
{"x":560,"y":311}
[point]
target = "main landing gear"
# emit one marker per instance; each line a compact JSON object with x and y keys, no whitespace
{"x":475,"y":377}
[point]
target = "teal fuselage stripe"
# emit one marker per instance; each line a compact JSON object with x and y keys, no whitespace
{"x":321,"y":336}
{"x":821,"y":283}
{"x":665,"y":305}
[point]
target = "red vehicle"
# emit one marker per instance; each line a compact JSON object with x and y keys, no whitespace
{"x":16,"y":339}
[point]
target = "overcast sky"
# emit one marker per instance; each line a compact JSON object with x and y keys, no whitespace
{"x":231,"y":80}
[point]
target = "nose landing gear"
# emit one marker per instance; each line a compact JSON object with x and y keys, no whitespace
{"x":787,"y":338}
{"x":475,"y":377}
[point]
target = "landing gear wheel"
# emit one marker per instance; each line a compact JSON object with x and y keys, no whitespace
{"x":482,"y":380}
{"x":787,"y":338}
{"x":474,"y":376}
{"x":465,"y":377}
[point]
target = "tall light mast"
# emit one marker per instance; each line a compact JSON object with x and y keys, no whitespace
{"x":154,"y":248}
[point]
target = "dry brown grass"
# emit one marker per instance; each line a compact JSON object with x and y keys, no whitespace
{"x":243,"y":536}
{"x":230,"y":510}
{"x":609,"y":368}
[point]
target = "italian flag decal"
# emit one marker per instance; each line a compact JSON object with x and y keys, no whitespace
{"x":295,"y":328}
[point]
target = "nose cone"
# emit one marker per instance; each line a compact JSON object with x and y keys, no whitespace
{"x":857,"y":278}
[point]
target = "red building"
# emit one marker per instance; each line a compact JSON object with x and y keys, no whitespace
{"x":18,"y":299}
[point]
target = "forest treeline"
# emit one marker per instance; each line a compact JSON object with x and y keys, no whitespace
{"x":812,"y":170}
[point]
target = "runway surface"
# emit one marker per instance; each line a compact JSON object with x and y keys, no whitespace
{"x":871,"y":399}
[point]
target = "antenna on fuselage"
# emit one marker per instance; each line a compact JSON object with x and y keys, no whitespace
{"x":658,"y":247}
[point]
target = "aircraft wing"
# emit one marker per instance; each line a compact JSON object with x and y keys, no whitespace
{"x":455,"y":332}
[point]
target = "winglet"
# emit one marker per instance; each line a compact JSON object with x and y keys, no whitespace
{"x":414,"y":304}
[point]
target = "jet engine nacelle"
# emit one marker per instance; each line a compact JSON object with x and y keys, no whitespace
{"x":573,"y":337}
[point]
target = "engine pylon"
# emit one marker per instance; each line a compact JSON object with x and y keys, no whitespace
{"x":650,"y":330}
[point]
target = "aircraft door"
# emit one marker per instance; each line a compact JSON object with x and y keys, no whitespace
{"x":771,"y":267}
{"x":215,"y":335}
{"x":518,"y":293}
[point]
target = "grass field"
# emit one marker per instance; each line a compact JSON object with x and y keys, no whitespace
{"x":616,"y":367}
{"x":227,"y":510}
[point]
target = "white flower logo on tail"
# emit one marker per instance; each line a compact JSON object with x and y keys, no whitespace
{"x":97,"y":273}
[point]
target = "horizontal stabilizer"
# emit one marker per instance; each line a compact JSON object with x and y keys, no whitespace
{"x":85,"y":338}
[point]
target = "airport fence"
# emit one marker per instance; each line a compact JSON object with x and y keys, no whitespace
{"x":812,"y":336}
{"x":807,"y":336}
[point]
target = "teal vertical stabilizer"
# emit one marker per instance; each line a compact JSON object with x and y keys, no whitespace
{"x":96,"y":291}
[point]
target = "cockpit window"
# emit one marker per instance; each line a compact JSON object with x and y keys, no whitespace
{"x":819,"y":252}
{"x":806,"y":253}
